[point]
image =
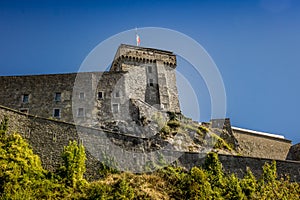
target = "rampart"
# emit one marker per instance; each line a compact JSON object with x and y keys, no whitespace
{"x":261,"y":145}
{"x":48,"y":137}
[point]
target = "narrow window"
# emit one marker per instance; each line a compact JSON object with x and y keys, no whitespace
{"x":115,"y":108}
{"x":56,"y":113}
{"x":81,"y":95}
{"x":80,"y":112}
{"x":165,"y":106}
{"x":117,"y":94}
{"x":149,"y":69}
{"x":100,"y":95}
{"x":57,"y":96}
{"x":151,"y":82}
{"x":25,"y":98}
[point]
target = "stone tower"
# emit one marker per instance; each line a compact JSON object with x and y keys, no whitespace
{"x":150,"y":76}
{"x":140,"y":82}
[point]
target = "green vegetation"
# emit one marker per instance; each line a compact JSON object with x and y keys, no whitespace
{"x":23,"y":177}
{"x":219,"y":143}
{"x":203,"y":129}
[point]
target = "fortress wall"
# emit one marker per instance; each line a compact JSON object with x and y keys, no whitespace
{"x":48,"y":137}
{"x":109,"y":83}
{"x":239,"y":164}
{"x":257,"y":145}
{"x":41,"y":90}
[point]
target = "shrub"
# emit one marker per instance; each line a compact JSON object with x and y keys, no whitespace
{"x":173,"y":124}
{"x":74,"y":164}
{"x":166,"y":130}
{"x":203,"y":129}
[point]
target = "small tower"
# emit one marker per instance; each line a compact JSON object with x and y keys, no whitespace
{"x":150,"y":76}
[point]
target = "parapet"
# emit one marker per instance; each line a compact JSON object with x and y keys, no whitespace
{"x":142,"y":55}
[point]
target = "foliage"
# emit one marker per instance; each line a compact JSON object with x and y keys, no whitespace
{"x":23,"y":177}
{"x":199,"y":186}
{"x":166,"y":130}
{"x":173,"y":124}
{"x":4,"y":125}
{"x":203,"y":129}
{"x":219,"y":143}
{"x":172,"y":116}
{"x":21,"y":173}
{"x":74,"y":164}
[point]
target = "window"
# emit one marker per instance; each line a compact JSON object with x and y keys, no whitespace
{"x":165,"y":106}
{"x":24,"y":110}
{"x":115,"y":108}
{"x":56,"y":113}
{"x":25,"y":98}
{"x":100,"y":95}
{"x":117,"y":94}
{"x":151,"y":82}
{"x":57,"y":96}
{"x":80,"y":112}
{"x":81,"y":95}
{"x":149,"y":69}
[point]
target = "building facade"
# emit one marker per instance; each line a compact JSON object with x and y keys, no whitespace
{"x":139,"y":81}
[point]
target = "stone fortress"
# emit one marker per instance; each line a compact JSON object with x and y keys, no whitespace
{"x":120,"y":103}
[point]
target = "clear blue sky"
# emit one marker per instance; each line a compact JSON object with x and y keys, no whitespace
{"x":255,"y":44}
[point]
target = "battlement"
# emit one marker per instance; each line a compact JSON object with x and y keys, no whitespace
{"x":137,"y":54}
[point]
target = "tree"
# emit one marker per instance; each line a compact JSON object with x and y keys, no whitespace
{"x":21,"y":172}
{"x":249,"y":184}
{"x":215,"y":170}
{"x":74,"y":164}
{"x":199,"y":186}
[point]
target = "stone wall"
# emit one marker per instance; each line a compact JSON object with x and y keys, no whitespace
{"x":261,"y":146}
{"x":157,"y":85}
{"x":48,"y":137}
{"x":239,"y":164}
{"x":75,"y":97}
{"x":41,"y":90}
{"x":294,"y":152}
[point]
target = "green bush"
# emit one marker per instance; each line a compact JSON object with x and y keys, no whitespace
{"x":74,"y":165}
{"x":173,"y":124}
{"x":165,"y":130}
{"x":203,"y":129}
{"x":23,"y":177}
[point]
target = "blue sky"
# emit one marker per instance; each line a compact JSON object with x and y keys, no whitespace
{"x":255,"y":44}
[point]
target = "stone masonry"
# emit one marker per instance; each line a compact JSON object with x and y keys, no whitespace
{"x":91,"y":98}
{"x":116,"y":107}
{"x":47,"y":137}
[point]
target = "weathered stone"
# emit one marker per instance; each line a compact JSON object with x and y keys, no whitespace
{"x":124,"y":110}
{"x":294,"y":152}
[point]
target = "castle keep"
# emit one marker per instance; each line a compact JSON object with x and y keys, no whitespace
{"x":140,"y":79}
{"x":118,"y":105}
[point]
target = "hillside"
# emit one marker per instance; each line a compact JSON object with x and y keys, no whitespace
{"x":23,"y":177}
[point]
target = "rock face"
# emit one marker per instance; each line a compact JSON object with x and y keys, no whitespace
{"x":294,"y":152}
